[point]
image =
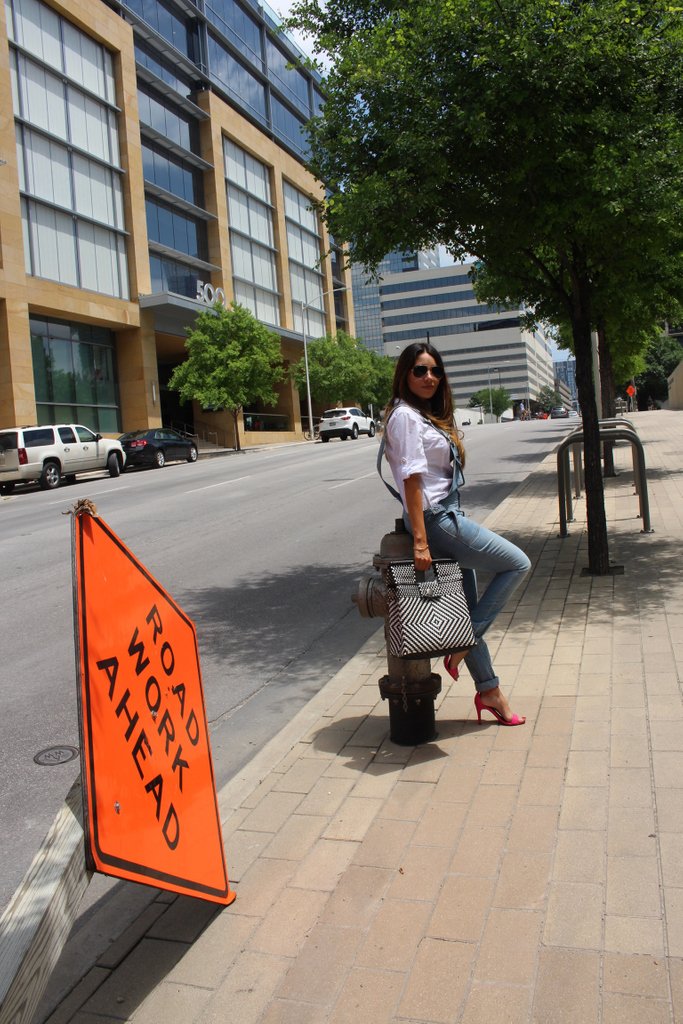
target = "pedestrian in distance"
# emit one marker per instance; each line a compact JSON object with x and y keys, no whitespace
{"x":426,"y":455}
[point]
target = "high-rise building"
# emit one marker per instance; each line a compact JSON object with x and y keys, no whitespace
{"x":565,"y":373}
{"x":153,"y":163}
{"x":366,"y":288}
{"x":482,"y":346}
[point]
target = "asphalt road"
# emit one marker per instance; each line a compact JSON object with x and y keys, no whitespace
{"x":262,"y":549}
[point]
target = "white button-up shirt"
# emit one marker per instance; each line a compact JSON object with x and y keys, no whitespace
{"x":415,"y":447}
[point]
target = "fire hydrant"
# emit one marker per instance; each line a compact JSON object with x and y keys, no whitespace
{"x":410,"y":686}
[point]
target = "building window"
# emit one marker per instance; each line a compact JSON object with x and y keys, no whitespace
{"x":169,"y":275}
{"x":180,"y":32}
{"x":305,"y":249}
{"x":172,"y":174}
{"x":288,"y":127}
{"x":74,"y":372}
{"x":165,"y":118}
{"x":250,"y":216}
{"x":234,"y":79}
{"x":68,"y":152}
{"x":175,"y":230}
{"x":59,"y":45}
{"x":448,"y":313}
{"x":162,"y":69}
{"x":240,"y":28}
{"x":289,"y":79}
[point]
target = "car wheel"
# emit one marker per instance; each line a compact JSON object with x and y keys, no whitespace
{"x":6,"y":488}
{"x":354,"y":431}
{"x":324,"y":438}
{"x":113,"y":464}
{"x":51,"y":476}
{"x":371,"y":431}
{"x":345,"y":437}
{"x":192,"y":457}
{"x":159,"y":458}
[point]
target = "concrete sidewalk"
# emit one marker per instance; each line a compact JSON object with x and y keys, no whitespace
{"x":493,"y":875}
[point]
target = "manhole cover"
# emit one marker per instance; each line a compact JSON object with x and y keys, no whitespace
{"x":55,"y":755}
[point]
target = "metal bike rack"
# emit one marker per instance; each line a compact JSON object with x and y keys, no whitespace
{"x":576,"y":440}
{"x":613,"y":422}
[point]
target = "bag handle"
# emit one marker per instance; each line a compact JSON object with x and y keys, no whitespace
{"x":380,"y":455}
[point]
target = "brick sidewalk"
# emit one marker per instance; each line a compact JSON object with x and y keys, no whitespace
{"x":494,"y":875}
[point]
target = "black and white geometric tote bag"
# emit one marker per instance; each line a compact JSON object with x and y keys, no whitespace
{"x":428,"y":613}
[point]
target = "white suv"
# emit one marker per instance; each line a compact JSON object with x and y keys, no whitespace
{"x":345,"y":423}
{"x":46,"y":454}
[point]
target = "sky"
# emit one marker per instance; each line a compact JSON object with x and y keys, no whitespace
{"x":282,"y":8}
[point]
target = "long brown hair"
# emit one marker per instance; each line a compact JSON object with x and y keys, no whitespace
{"x":439,"y":410}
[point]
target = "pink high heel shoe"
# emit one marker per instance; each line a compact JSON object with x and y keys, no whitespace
{"x":447,"y":665}
{"x":480,"y":706}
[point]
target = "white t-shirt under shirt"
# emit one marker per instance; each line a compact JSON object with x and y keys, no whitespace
{"x":414,"y":446}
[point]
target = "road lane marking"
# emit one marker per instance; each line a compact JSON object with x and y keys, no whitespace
{"x":91,"y":494}
{"x":222,"y":483}
{"x":355,"y":480}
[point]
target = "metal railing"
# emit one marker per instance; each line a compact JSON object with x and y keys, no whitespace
{"x":612,"y":422}
{"x":609,"y":430}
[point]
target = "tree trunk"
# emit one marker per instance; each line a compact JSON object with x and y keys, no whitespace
{"x":598,"y":552}
{"x":607,"y":391}
{"x":235,"y":414}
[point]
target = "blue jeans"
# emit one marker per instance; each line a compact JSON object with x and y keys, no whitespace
{"x":452,"y":535}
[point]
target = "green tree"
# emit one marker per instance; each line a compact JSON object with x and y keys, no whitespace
{"x":663,"y":355}
{"x":548,"y":398}
{"x":232,"y":361}
{"x":342,"y":370}
{"x":543,"y":138}
{"x":497,"y":400}
{"x":376,"y":388}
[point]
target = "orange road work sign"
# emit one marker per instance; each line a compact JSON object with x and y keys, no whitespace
{"x":149,"y":795}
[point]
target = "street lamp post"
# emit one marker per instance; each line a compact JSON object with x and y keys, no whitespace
{"x":304,"y":312}
{"x":304,"y":316}
{"x":493,"y":370}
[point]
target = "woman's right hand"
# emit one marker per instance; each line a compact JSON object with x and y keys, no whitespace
{"x":421,"y":557}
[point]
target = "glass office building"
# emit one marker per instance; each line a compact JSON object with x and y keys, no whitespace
{"x":565,"y":373}
{"x":366,"y":291}
{"x":154,"y":164}
{"x":482,"y":346}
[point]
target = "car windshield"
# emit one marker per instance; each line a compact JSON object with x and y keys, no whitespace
{"x":331,"y":413}
{"x":133,"y":434}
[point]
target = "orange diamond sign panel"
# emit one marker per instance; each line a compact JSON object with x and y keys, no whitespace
{"x":148,"y":785}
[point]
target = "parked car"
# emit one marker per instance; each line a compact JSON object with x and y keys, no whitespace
{"x":345,"y":423}
{"x":157,"y":446}
{"x":49,"y":453}
{"x":559,"y":413}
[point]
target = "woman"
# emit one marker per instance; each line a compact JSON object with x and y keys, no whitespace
{"x":426,"y":456}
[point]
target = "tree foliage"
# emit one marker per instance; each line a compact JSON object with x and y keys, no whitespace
{"x":232,"y":361}
{"x":663,"y":355}
{"x":544,"y":138}
{"x":342,"y":370}
{"x":497,"y":400}
{"x":548,"y":398}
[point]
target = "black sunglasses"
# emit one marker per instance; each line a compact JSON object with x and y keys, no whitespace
{"x":421,"y":371}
